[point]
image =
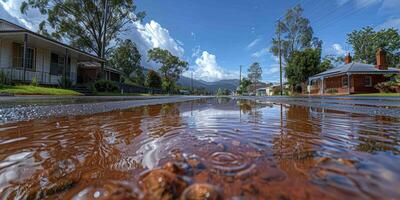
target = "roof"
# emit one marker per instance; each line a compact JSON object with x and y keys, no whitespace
{"x":24,"y":30}
{"x":355,"y":68}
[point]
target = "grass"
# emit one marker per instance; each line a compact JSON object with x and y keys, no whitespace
{"x":36,"y":90}
{"x":379,"y":95}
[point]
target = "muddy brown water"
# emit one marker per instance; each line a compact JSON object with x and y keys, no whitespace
{"x":246,"y":150}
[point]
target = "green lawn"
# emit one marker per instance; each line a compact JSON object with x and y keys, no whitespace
{"x":35,"y":90}
{"x":379,"y":95}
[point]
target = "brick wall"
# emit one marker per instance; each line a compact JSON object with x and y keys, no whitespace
{"x":359,"y":83}
{"x":336,"y":83}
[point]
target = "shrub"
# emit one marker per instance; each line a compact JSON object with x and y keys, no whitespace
{"x":105,"y":86}
{"x":3,"y":78}
{"x":153,"y":80}
{"x":332,"y":90}
{"x":34,"y":81}
{"x":64,"y":82}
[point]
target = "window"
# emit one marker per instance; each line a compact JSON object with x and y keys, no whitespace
{"x":57,"y":65}
{"x":345,"y":82}
{"x":18,"y":52}
{"x":368,"y":81}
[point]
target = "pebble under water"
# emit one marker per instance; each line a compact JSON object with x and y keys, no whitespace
{"x":204,"y":149}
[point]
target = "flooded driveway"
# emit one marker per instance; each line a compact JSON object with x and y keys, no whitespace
{"x":244,"y":149}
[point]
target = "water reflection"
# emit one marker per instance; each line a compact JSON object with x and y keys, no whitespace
{"x":240,"y":146}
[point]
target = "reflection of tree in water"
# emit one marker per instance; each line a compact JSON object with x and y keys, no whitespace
{"x":380,"y":138}
{"x":291,"y":147}
{"x":167,"y":119}
{"x":223,"y":100}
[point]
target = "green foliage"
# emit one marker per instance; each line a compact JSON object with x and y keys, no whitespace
{"x":81,"y":22}
{"x":223,"y":92}
{"x":34,"y":81}
{"x":171,"y":66}
{"x":393,"y":85}
{"x":244,"y":84}
{"x":153,"y":80}
{"x":126,"y":57}
{"x":64,"y":82}
{"x":366,"y":42}
{"x":35,"y":90}
{"x":304,"y":64}
{"x":105,"y":86}
{"x":3,"y":78}
{"x":296,"y":34}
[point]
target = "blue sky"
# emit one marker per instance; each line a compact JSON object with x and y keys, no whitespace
{"x":218,"y":36}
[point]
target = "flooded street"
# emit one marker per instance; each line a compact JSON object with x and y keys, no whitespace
{"x":244,"y":149}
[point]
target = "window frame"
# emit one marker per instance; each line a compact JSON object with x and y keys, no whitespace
{"x":18,"y":62}
{"x":369,"y":78}
{"x":345,"y":79}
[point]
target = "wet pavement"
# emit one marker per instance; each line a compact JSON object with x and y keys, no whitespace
{"x":205,"y":148}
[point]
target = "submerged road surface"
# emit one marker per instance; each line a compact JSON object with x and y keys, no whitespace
{"x":25,"y":108}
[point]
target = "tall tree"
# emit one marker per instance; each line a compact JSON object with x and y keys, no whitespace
{"x":296,"y":34}
{"x":366,"y":41}
{"x":171,"y":66}
{"x":153,"y":80}
{"x":254,"y":73}
{"x":82,"y":22}
{"x":126,"y":57}
{"x":304,"y":64}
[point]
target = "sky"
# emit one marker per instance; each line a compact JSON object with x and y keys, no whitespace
{"x":216,"y":37}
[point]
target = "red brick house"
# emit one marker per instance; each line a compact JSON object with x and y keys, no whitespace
{"x":352,"y":77}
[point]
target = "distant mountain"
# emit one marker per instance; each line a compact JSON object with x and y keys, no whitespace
{"x":230,"y":84}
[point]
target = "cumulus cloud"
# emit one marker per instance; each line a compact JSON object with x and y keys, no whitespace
{"x":153,"y":35}
{"x":253,"y":43}
{"x":10,"y":10}
{"x":207,"y":69}
{"x":337,"y":49}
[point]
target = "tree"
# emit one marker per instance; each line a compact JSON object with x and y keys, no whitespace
{"x":171,"y":66}
{"x":244,"y":84}
{"x":296,"y":34}
{"x":254,"y":73}
{"x":304,"y":64}
{"x":153,"y":80}
{"x":126,"y":57}
{"x":83,"y":22}
{"x":366,"y":41}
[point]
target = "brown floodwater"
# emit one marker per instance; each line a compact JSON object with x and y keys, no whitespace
{"x":242,"y":149}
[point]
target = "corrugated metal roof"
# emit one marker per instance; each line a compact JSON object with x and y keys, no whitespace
{"x":354,"y":68}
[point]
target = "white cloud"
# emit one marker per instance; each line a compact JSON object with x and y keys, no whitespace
{"x":359,"y":3}
{"x":253,"y":43}
{"x":390,"y":23}
{"x":13,"y":14}
{"x":260,"y":53}
{"x":207,"y":69}
{"x":196,"y":51}
{"x":274,"y":68}
{"x":337,"y":49}
{"x":153,"y":35}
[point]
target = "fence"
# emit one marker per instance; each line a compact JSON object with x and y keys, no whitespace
{"x":45,"y":78}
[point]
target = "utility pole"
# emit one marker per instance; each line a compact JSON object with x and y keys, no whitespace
{"x":280,"y":54}
{"x":103,"y":45}
{"x":191,"y":82}
{"x":240,"y":76}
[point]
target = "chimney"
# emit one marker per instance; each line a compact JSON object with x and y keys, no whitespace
{"x":347,"y":59}
{"x":381,"y":62}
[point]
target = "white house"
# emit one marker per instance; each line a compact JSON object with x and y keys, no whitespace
{"x":46,"y":59}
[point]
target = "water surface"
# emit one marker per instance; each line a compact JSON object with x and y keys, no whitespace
{"x":249,"y":150}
